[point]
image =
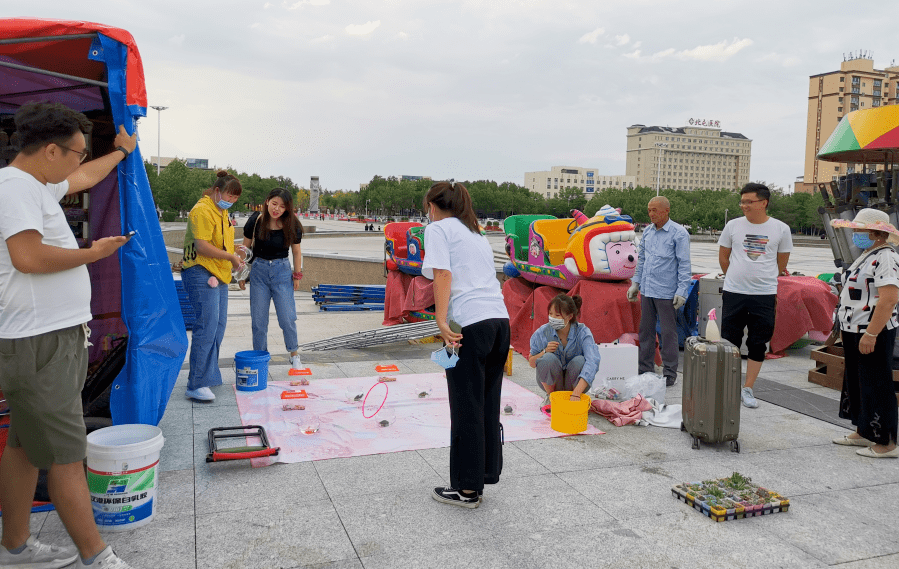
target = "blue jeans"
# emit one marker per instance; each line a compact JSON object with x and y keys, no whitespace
{"x":211,"y":307}
{"x":272,"y":280}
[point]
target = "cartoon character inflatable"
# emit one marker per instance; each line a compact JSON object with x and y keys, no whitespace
{"x":561,"y":252}
{"x":404,"y":247}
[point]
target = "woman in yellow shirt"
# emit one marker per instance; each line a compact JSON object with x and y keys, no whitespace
{"x":206,"y":271}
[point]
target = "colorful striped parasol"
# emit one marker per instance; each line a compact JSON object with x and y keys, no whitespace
{"x":869,"y":136}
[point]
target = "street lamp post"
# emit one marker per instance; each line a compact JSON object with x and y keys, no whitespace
{"x":725,"y":216}
{"x":366,"y":208}
{"x":661,"y":146}
{"x":158,"y":137}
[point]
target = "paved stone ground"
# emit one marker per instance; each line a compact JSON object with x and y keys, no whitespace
{"x":581,"y":501}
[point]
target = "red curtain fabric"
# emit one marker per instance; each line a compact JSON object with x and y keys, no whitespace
{"x":804,"y":304}
{"x":606,"y":310}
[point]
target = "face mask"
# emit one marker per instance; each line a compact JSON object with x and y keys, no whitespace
{"x":862,"y":240}
{"x":556,"y":323}
{"x":224,"y":204}
{"x":442,"y":358}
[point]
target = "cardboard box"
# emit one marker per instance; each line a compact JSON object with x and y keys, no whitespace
{"x":617,"y":363}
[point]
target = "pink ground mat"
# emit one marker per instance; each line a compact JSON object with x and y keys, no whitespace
{"x":414,"y":422}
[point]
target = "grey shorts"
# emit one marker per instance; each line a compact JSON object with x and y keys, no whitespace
{"x":42,"y":379}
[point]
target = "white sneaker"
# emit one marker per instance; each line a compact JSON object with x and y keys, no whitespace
{"x":295,"y":362}
{"x":38,"y":555}
{"x":107,"y":558}
{"x":200,"y":394}
{"x":748,"y":398}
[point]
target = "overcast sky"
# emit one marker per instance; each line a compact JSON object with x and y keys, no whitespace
{"x":477,"y":89}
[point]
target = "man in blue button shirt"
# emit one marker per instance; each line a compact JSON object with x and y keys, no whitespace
{"x":663,"y":278}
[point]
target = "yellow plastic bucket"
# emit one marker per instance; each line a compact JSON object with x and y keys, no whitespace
{"x":568,"y":416}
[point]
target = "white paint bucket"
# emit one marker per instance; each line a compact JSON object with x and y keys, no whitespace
{"x":122,"y":475}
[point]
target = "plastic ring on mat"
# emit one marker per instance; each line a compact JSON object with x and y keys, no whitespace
{"x":386,"y":392}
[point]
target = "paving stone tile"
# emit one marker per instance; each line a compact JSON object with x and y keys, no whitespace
{"x":177,"y":421}
{"x":294,"y":535}
{"x":375,"y":473}
{"x":236,"y":485}
{"x":827,"y":467}
{"x":689,"y":539}
{"x":167,"y":541}
{"x":410,"y":522}
{"x":205,"y":418}
{"x":515,"y":462}
{"x":838,"y":526}
{"x":579,"y":452}
{"x":177,"y":453}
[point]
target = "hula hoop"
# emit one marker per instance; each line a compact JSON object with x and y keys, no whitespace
{"x":386,"y":392}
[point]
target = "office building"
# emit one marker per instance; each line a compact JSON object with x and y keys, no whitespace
{"x":856,"y":86}
{"x":548,"y":183}
{"x":697,"y":156}
{"x":199,"y":163}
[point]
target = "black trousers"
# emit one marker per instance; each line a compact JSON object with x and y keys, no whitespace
{"x":756,"y":312}
{"x":868,"y":398}
{"x":475,"y":385}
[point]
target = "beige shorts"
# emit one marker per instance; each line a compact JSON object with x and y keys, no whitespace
{"x":42,"y":379}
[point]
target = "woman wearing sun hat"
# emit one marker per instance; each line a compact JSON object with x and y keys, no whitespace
{"x":868,"y":321}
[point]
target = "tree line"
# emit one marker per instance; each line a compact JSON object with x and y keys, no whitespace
{"x":178,"y":188}
{"x":708,"y":209}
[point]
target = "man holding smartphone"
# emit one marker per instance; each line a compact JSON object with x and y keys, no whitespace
{"x":45,"y":292}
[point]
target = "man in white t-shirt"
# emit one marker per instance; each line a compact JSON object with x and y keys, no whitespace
{"x":45,"y":295}
{"x":753,"y":251}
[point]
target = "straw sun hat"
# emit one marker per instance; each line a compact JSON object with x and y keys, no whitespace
{"x":872,"y":220}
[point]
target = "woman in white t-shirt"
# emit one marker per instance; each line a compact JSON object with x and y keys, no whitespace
{"x":472,"y":317}
{"x":868,"y":321}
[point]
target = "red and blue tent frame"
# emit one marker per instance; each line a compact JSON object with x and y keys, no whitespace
{"x":96,"y":69}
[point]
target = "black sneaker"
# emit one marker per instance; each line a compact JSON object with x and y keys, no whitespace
{"x":455,"y":497}
{"x":669,"y":381}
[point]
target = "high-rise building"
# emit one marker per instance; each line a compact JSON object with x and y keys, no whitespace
{"x":697,"y":156}
{"x":856,"y":86}
{"x":549,"y":183}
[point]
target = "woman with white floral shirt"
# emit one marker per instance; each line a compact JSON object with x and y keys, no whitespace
{"x":868,"y":321}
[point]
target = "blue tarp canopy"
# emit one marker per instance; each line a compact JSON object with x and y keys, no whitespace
{"x":96,"y":69}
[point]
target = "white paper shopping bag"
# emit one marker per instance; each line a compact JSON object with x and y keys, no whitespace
{"x":617,"y":362}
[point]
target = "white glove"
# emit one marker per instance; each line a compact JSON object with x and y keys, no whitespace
{"x":679,"y":301}
{"x":632,"y":292}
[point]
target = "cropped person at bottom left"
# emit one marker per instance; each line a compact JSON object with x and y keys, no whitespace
{"x":45,"y":291}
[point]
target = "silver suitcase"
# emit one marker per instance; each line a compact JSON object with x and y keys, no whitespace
{"x":711,"y":391}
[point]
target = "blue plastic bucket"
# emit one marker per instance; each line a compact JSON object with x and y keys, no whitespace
{"x":252,"y":370}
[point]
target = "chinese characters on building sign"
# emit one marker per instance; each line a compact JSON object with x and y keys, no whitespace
{"x":704,"y":122}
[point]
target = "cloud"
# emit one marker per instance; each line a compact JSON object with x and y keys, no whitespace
{"x":721,"y":51}
{"x":322,"y":39}
{"x":300,"y":4}
{"x":362,"y":29}
{"x":256,"y":25}
{"x":716,"y":52}
{"x":591,"y":37}
{"x":622,"y":39}
{"x":177,"y":40}
{"x":401,"y":36}
{"x":267,"y":5}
